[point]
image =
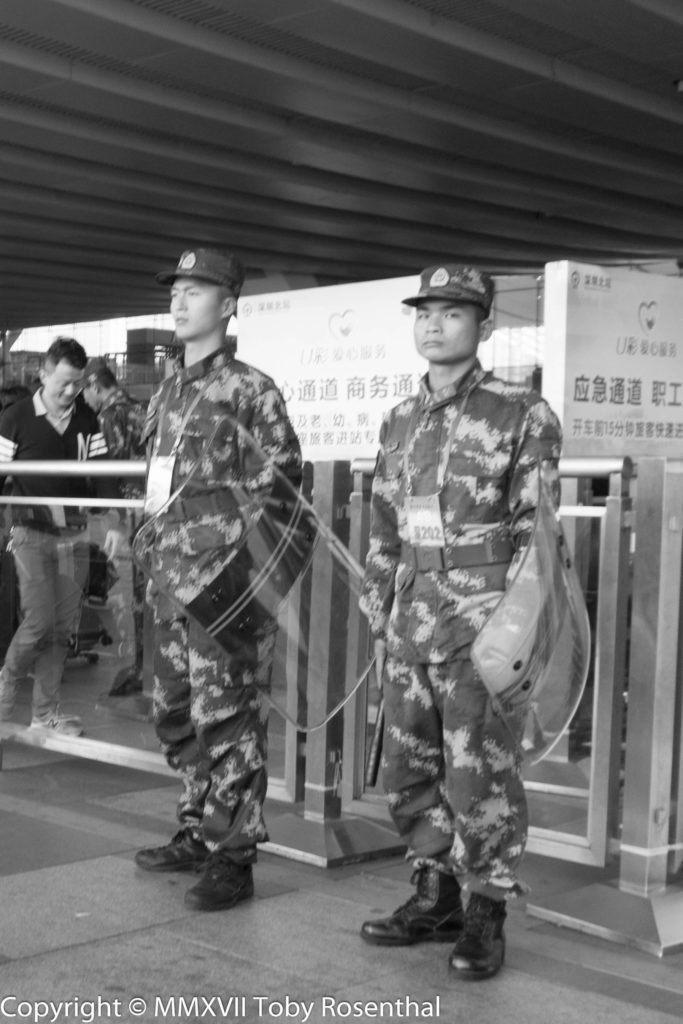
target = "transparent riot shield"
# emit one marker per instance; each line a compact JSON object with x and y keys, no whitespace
{"x":253,"y":565}
{"x":533,"y":653}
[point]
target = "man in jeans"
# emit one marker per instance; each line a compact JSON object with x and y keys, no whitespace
{"x":49,"y":542}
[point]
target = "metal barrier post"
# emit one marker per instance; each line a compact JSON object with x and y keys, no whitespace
{"x":611,"y":660}
{"x":640,"y":909}
{"x":355,"y":720}
{"x":298,"y":616}
{"x":319,"y":833}
{"x":608,"y":579}
{"x":354,"y":798}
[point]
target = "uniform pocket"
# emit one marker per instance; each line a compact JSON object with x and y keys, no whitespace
{"x":393,"y":460}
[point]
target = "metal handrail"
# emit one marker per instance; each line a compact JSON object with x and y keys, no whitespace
{"x":570,"y":467}
{"x":74,"y":467}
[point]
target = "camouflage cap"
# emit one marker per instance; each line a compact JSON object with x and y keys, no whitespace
{"x":96,"y":368}
{"x":456,"y":282}
{"x":207,"y":265}
{"x":95,"y":365}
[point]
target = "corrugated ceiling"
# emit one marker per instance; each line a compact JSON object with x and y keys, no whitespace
{"x":329,"y":140}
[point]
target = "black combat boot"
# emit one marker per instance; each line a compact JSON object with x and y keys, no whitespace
{"x":184,"y":853}
{"x":432,"y":914}
{"x":480,"y":950}
{"x":223,"y":884}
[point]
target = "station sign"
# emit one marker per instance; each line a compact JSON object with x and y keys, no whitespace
{"x":613,"y":360}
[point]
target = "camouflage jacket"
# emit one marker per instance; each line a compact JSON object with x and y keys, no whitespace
{"x":503,"y":432}
{"x":122,"y":421}
{"x":207,"y":413}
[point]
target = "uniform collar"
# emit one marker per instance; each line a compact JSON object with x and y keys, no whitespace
{"x":434,"y":399}
{"x":221,"y":357}
{"x":112,"y":399}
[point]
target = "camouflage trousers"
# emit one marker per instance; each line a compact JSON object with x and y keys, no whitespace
{"x":452,"y":774}
{"x":211,"y":721}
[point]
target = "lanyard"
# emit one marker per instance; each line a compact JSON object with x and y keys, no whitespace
{"x":187,"y":413}
{"x":159,"y":492}
{"x":447,"y":448}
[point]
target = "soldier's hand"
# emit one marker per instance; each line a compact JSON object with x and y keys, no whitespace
{"x":380,"y":662}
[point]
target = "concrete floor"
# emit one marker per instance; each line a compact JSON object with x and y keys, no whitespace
{"x":82,"y":927}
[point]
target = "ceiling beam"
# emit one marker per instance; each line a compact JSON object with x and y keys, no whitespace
{"x":459,"y":37}
{"x":410,"y":103}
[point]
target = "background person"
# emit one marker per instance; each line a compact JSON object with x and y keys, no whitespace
{"x":49,"y":543}
{"x":453,"y":503}
{"x":207,"y":704}
{"x":9,"y":603}
{"x":122,"y":419}
{"x":121,"y":416}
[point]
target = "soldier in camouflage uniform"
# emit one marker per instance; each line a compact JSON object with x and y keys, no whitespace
{"x":122,"y":419}
{"x":208,"y":706}
{"x":454,"y":496}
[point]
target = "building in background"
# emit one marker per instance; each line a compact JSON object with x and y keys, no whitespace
{"x":136,"y":348}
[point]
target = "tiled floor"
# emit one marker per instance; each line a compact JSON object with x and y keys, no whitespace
{"x":80,"y":926}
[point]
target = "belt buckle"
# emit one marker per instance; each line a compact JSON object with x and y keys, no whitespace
{"x":431,"y":559}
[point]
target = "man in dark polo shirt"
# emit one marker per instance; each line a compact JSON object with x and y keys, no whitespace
{"x":49,"y":542}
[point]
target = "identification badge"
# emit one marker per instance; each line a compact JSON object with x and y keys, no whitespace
{"x":158,"y":482}
{"x":425,"y":526}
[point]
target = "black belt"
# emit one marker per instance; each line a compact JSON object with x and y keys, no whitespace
{"x":463,"y":556}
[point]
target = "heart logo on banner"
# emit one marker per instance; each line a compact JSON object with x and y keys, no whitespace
{"x":647,"y":315}
{"x":342,"y":324}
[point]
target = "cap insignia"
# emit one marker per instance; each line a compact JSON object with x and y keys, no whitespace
{"x":439,"y":278}
{"x":187,"y":261}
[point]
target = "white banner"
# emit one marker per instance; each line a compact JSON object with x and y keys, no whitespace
{"x":342,"y":355}
{"x":613,"y":366}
